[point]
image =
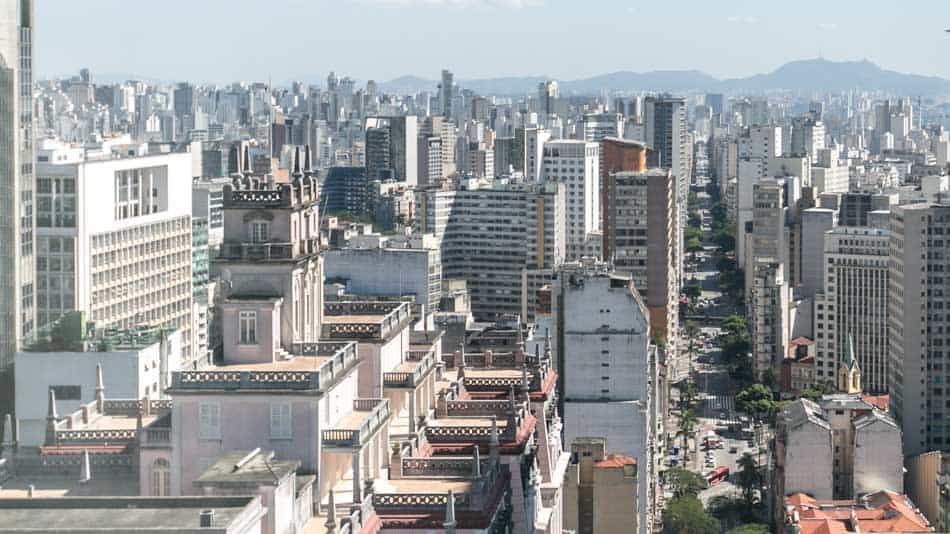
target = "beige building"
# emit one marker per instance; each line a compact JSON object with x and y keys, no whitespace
{"x":600,"y":490}
{"x":641,"y":237}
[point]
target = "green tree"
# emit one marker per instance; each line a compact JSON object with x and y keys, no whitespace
{"x":694,"y":245}
{"x":749,"y":477}
{"x":688,"y":422}
{"x":819,"y":390}
{"x":751,"y":528}
{"x":735,"y":325}
{"x":686,"y":515}
{"x":731,"y":511}
{"x":688,"y":394}
{"x":692,"y":290}
{"x":684,"y":483}
{"x":756,"y":400}
{"x":694,"y":219}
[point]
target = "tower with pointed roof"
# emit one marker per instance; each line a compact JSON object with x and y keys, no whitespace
{"x":849,"y":373}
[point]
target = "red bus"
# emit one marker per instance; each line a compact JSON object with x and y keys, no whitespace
{"x":717,"y":475}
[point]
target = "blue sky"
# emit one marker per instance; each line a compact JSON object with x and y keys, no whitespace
{"x":224,"y":40}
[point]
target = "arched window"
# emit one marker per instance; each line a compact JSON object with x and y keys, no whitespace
{"x":161,"y":478}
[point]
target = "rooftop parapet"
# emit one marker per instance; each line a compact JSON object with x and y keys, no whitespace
{"x":337,"y":360}
{"x":363,"y":320}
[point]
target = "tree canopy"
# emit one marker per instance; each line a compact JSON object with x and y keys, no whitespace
{"x":686,"y":514}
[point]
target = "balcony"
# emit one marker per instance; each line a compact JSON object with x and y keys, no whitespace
{"x":410,"y":373}
{"x":268,"y":251}
{"x":368,"y":417}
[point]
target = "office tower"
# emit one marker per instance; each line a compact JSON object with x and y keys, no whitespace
{"x":444,"y":129}
{"x":762,"y":142}
{"x":446,"y":93}
{"x":534,"y":139}
{"x":504,"y":240}
{"x":640,"y":236}
{"x":808,"y":137}
{"x":715,"y":101}
{"x":392,"y":149}
{"x":918,"y":324}
{"x":548,"y":95}
{"x":768,"y":298}
{"x":609,"y":369}
{"x":430,"y":159}
{"x":852,"y":306}
{"x":17,"y":158}
{"x":576,"y":164}
{"x":814,"y":223}
{"x":184,"y":99}
{"x":667,"y":135}
{"x":480,"y":160}
{"x":114,"y":239}
{"x":378,"y":153}
{"x":616,"y":155}
{"x":599,"y":126}
{"x":347,"y":190}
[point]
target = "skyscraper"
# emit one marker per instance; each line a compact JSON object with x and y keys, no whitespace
{"x":17,"y":156}
{"x":446,"y":93}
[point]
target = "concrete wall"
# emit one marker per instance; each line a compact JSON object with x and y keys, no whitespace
{"x":625,"y":427}
{"x":877,"y":446}
{"x":381,"y":272}
{"x":125,"y":375}
{"x":815,"y":222}
{"x":809,"y":460}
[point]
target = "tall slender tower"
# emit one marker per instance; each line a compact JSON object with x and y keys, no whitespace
{"x":17,"y":157}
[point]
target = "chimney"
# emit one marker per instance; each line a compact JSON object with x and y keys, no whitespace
{"x":206,"y":519}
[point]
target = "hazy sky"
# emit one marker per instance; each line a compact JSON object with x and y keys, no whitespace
{"x":225,"y":40}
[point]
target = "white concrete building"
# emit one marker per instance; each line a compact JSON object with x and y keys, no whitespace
{"x":576,"y":164}
{"x":388,"y":271}
{"x":609,"y":369}
{"x":135,"y":365}
{"x":114,"y":238}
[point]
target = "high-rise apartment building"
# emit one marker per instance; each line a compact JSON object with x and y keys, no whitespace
{"x":114,"y":239}
{"x":768,"y":298}
{"x":504,"y":240}
{"x":17,"y":159}
{"x":919,"y":332}
{"x":667,"y":136}
{"x":576,"y":164}
{"x":640,"y":239}
{"x":447,"y":93}
{"x":616,"y":155}
{"x":853,"y":305}
{"x":392,"y":149}
{"x":609,"y":369}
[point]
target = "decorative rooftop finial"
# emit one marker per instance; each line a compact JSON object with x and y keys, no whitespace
{"x":51,"y":407}
{"x":246,"y":167}
{"x":297,"y":175}
{"x":461,"y":363}
{"x":100,"y":389}
{"x":331,"y":513}
{"x":307,"y":165}
{"x":493,"y":441}
{"x":7,"y":443}
{"x":477,"y":468}
{"x":450,"y":522}
{"x":86,"y":474}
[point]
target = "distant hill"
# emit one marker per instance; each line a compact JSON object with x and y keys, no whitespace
{"x":804,"y":75}
{"x":822,"y":74}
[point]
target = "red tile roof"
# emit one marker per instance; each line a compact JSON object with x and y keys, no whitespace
{"x":616,"y":460}
{"x":885,"y":512}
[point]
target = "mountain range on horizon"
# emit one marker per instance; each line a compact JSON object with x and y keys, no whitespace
{"x":802,"y":75}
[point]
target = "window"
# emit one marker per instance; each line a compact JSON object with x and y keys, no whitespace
{"x":247,"y":327}
{"x":259,"y":232}
{"x":209,"y":416}
{"x":280,"y":420}
{"x":161,"y":478}
{"x":73,"y":393}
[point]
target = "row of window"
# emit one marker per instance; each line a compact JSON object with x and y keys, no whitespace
{"x":209,"y":420}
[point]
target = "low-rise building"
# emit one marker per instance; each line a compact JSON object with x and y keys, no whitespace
{"x":881,"y":511}
{"x":600,"y":491}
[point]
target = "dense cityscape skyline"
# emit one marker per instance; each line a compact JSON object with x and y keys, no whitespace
{"x":354,"y":287}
